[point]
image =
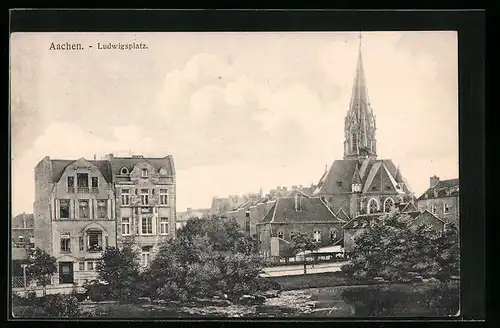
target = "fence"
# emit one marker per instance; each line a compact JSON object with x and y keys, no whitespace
{"x":17,"y":282}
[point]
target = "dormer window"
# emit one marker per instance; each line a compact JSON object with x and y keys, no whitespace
{"x":144,"y":173}
{"x":163,"y":171}
{"x":123,"y":170}
{"x":435,"y":193}
{"x":339,"y":183}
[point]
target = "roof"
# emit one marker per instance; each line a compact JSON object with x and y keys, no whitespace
{"x":17,"y":221}
{"x":364,"y":220}
{"x":312,"y":210}
{"x":117,"y":163}
{"x":60,"y":165}
{"x":343,"y":173}
{"x":443,"y":188}
{"x":339,"y":177}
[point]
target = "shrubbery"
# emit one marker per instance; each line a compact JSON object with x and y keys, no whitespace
{"x":393,"y":249}
{"x":53,"y":305}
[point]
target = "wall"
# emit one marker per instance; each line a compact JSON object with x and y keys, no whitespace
{"x":267,"y":231}
{"x":42,"y":205}
{"x":453,"y":203}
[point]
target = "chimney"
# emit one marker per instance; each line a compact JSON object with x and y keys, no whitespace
{"x":294,"y":187}
{"x":108,"y":157}
{"x":95,"y":157}
{"x":434,"y":180}
{"x":300,"y":187}
{"x":298,"y":202}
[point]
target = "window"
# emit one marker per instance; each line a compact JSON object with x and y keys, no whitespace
{"x":102,"y":208}
{"x":125,"y":196}
{"x":106,"y":241}
{"x":446,"y":208}
{"x":292,"y":233}
{"x":147,"y":226}
{"x":144,"y":173}
{"x":317,"y":236}
{"x":145,"y":256}
{"x":280,"y":234}
{"x":81,"y":266}
{"x":388,"y":204}
{"x":164,"y":196}
{"x":433,"y":209}
{"x":80,"y":243}
{"x":124,"y":170}
{"x":90,"y":266}
{"x":372,"y":206}
{"x":71,"y":184}
{"x":82,"y":181}
{"x":21,"y":239}
{"x":65,"y":243}
{"x":125,"y":226}
{"x":163,"y":171}
{"x":94,"y":241}
{"x":144,"y":196}
{"x":83,"y":205}
{"x":333,"y":234}
{"x":64,"y":208}
{"x":95,"y":182}
{"x":164,"y":226}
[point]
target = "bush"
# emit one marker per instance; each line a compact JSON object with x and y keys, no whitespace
{"x":55,"y":305}
{"x":96,"y":291}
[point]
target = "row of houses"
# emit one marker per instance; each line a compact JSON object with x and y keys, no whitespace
{"x":275,"y":221}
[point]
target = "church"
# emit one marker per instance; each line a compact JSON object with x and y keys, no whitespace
{"x":357,"y":186}
{"x":361,"y":183}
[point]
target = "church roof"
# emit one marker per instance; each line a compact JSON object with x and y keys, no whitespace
{"x":312,"y":210}
{"x":373,"y":174}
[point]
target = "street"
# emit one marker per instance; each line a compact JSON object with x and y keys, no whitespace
{"x":292,"y":270}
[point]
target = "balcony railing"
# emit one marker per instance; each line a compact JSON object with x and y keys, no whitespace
{"x":95,"y":190}
{"x":94,"y":249}
{"x":71,"y":190}
{"x":84,"y":190}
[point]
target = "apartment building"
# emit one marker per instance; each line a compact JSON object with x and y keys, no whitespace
{"x":82,"y":206}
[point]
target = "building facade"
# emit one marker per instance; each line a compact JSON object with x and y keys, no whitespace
{"x":442,"y":199}
{"x":289,"y":215}
{"x":74,"y":217}
{"x":83,"y":206}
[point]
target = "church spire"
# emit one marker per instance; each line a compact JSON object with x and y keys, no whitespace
{"x":360,"y":139}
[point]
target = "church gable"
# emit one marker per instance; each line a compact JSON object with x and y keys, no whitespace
{"x":380,"y":180}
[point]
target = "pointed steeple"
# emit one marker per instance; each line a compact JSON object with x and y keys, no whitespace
{"x":360,"y":139}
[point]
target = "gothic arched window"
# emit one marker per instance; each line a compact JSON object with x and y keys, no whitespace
{"x":354,"y":141}
{"x":372,"y":206}
{"x":388,"y":204}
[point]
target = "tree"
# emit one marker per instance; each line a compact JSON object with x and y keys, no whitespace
{"x":210,"y":256}
{"x":41,"y":266}
{"x":302,"y":243}
{"x":120,"y":270}
{"x":396,"y":250}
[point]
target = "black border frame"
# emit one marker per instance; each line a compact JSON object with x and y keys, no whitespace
{"x":471,"y":43}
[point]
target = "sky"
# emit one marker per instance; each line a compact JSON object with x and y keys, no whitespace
{"x":238,"y":111}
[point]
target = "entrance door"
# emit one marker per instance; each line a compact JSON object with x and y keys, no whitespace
{"x":65,"y":272}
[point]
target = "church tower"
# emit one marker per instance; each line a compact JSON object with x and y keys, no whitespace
{"x":360,"y":127}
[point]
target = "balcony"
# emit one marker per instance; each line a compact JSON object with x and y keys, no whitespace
{"x":71,"y":190}
{"x":94,"y":249}
{"x":83,"y":190}
{"x":95,"y":190}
